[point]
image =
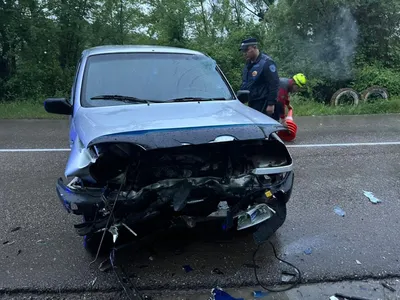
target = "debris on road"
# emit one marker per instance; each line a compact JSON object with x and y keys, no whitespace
{"x":388,"y":287}
{"x":8,"y":243}
{"x":341,"y":296}
{"x":339,"y":211}
{"x":251,"y":266}
{"x":19,"y":252}
{"x":219,"y":294}
{"x":217,"y":271}
{"x":358,"y":262}
{"x":187,"y":268}
{"x":371,"y":197}
{"x":41,"y":242}
{"x":333,"y":298}
{"x":287,"y":277}
{"x":93,"y":282}
{"x":308,"y":251}
{"x":15,"y":229}
{"x":143,"y":266}
{"x":260,"y":294}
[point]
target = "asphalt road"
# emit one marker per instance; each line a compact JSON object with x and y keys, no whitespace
{"x":44,"y":253}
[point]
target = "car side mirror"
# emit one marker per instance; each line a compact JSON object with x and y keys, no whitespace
{"x":58,"y":106}
{"x":243,"y":96}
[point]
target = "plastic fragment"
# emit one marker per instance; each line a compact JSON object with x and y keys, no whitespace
{"x":93,"y":282}
{"x":8,"y":243}
{"x":349,"y":297}
{"x":333,"y":298}
{"x":40,"y":242}
{"x":187,"y":268}
{"x":339,"y":211}
{"x":260,"y":294}
{"x":388,"y":287}
{"x":219,"y":294}
{"x":15,"y":229}
{"x":371,"y":197}
{"x":308,"y":251}
{"x":286,"y":278}
{"x":358,"y":262}
{"x":114,"y":231}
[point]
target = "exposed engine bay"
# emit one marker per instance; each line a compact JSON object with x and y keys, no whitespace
{"x":184,"y":184}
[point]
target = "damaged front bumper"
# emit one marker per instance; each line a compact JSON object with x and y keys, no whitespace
{"x":244,"y":184}
{"x":174,"y":200}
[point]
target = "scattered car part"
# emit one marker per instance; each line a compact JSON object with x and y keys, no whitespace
{"x":349,"y":297}
{"x":339,"y":211}
{"x":345,"y":92}
{"x":260,"y":294}
{"x":374,"y":90}
{"x":371,"y":197}
{"x":388,"y":287}
{"x":15,"y":229}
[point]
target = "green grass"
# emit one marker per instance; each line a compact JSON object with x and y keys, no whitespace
{"x":35,"y":109}
{"x":26,"y":110}
{"x":312,"y":108}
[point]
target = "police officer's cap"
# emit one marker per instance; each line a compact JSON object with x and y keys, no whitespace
{"x":248,"y":42}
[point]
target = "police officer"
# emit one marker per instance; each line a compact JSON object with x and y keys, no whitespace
{"x":260,"y":77}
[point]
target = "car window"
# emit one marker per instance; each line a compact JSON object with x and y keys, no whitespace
{"x":151,"y":76}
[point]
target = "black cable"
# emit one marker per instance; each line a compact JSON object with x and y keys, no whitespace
{"x":111,"y":215}
{"x":131,"y":292}
{"x":281,"y":260}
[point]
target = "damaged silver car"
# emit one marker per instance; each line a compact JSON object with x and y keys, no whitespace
{"x":159,"y":139}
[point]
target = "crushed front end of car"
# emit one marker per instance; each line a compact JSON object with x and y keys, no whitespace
{"x":242,"y":183}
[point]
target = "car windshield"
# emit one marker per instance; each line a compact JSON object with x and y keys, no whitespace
{"x":110,"y":78}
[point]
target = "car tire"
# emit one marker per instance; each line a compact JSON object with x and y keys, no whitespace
{"x":335,"y":99}
{"x":374,"y":90}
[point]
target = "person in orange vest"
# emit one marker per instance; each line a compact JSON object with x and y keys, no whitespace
{"x":288,"y":86}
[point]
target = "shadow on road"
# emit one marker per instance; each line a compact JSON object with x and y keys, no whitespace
{"x":202,"y":257}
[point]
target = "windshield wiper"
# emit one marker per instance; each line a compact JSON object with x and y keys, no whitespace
{"x":122,"y":98}
{"x":187,"y":99}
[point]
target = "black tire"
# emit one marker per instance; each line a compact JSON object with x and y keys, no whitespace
{"x":374,"y":90}
{"x":335,"y":99}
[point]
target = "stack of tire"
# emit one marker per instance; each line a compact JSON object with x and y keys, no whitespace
{"x":356,"y":97}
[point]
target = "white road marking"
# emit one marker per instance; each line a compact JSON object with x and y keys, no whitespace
{"x":289,"y":146}
{"x":343,"y":145}
{"x":35,"y":150}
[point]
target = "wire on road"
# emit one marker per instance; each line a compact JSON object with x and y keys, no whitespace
{"x":298,"y":280}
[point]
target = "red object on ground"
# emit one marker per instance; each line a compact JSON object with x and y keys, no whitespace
{"x":290,"y":134}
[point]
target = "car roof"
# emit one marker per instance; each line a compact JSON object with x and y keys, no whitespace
{"x":137,"y":48}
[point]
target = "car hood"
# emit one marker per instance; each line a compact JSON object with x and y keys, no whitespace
{"x":97,"y":124}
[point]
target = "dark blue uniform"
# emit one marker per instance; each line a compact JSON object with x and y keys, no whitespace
{"x":262,"y":80}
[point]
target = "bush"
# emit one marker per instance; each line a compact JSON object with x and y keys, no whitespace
{"x":370,"y":75}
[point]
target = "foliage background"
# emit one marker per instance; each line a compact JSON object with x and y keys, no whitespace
{"x":336,"y":43}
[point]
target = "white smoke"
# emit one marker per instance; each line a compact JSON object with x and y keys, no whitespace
{"x":329,"y":49}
